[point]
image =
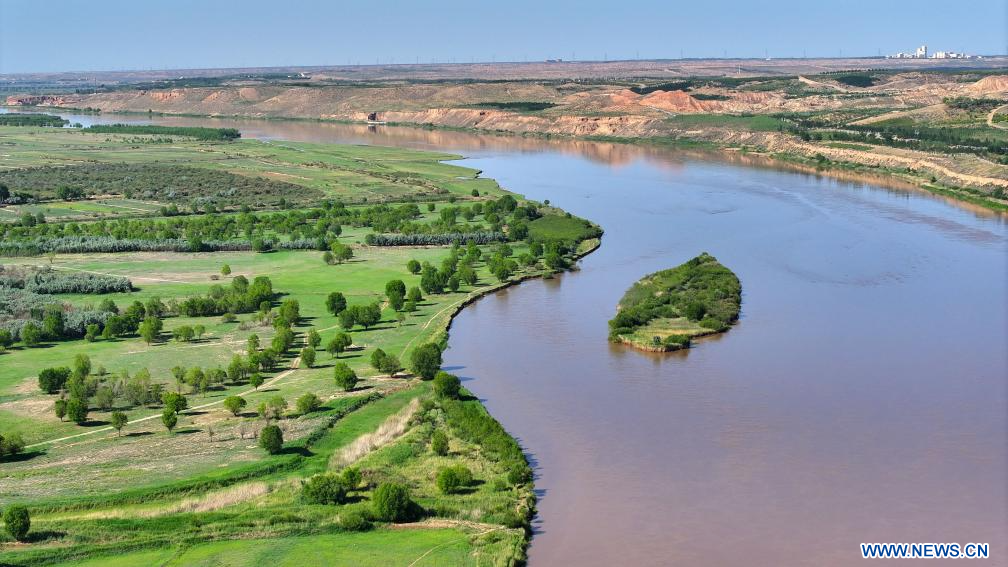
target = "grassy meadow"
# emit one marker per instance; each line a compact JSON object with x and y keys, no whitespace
{"x":205,"y":492}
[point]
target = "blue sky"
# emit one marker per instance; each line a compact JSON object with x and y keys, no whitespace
{"x":149,"y":34}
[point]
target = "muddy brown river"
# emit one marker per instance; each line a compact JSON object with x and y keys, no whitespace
{"x":861,"y":398}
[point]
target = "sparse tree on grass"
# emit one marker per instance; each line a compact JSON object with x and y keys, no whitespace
{"x":256,"y":380}
{"x":338,"y":344}
{"x":271,"y":439}
{"x":169,"y":419}
{"x":341,"y":252}
{"x":414,"y":295}
{"x":235,"y":404}
{"x":60,"y":408}
{"x":308,"y":356}
{"x":345,"y":377}
{"x":413,"y":266}
{"x":77,"y":410}
{"x":336,"y":303}
{"x":119,"y":420}
{"x":225,"y":270}
{"x":198,"y":331}
{"x":314,"y":339}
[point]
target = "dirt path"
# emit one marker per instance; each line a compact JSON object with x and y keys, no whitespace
{"x":990,"y":118}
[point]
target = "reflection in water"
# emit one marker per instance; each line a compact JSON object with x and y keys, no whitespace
{"x":861,"y":398}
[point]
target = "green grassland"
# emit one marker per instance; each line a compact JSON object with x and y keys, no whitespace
{"x":353,"y":174}
{"x":206,"y":493}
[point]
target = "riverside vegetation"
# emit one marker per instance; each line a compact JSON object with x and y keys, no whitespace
{"x":266,"y":387}
{"x":665,"y":310}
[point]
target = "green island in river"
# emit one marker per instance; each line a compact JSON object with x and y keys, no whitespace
{"x":666,"y":310}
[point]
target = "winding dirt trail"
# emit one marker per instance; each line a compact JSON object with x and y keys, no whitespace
{"x":990,"y":118}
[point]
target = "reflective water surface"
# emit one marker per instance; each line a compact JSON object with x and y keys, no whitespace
{"x":861,"y":398}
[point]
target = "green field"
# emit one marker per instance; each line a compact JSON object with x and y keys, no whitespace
{"x":206,"y":492}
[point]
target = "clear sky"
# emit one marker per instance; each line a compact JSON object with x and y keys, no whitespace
{"x":72,"y":35}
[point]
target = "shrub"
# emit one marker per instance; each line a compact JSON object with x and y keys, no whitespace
{"x":52,"y":380}
{"x":271,"y":439}
{"x":392,"y":503}
{"x":354,"y":521}
{"x":447,"y":385}
{"x":327,"y":488}
{"x":439,"y":443}
{"x":454,"y":479}
{"x":17,"y":521}
{"x":11,"y":444}
{"x":308,"y":403}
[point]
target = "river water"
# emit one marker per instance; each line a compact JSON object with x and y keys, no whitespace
{"x":861,"y":398}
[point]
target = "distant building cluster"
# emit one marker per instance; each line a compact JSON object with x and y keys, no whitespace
{"x":922,"y":53}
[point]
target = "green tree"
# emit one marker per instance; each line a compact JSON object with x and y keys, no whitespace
{"x":256,"y":380}
{"x":271,"y":439}
{"x":6,"y":339}
{"x":338,"y":344}
{"x":447,"y":385}
{"x":235,"y":404}
{"x":225,"y":270}
{"x":377,"y":357}
{"x":150,"y":329}
{"x":368,"y":315}
{"x":60,"y":408}
{"x":390,"y":365}
{"x":308,"y":356}
{"x":119,"y":420}
{"x":392,"y":503}
{"x":425,"y":360}
{"x":313,"y":338}
{"x":198,"y":331}
{"x":395,"y":287}
{"x":82,"y":365}
{"x":341,"y":252}
{"x":336,"y":303}
{"x":414,"y":295}
{"x":77,"y":410}
{"x":174,"y":402}
{"x":18,"y":521}
{"x":345,"y":377}
{"x":169,"y":419}
{"x":413,"y":266}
